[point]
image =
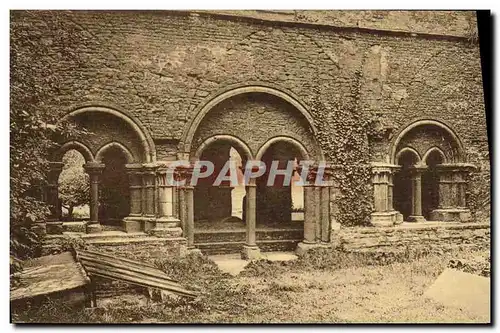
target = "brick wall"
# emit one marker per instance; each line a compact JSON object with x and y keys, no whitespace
{"x":161,"y":66}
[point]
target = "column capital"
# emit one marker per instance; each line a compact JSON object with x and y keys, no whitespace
{"x":133,"y":166}
{"x":184,"y":172}
{"x":94,"y":167}
{"x":380,"y":167}
{"x":311,"y":174}
{"x":149,"y":168}
{"x":417,"y":169}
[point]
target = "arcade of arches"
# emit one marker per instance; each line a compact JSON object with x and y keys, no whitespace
{"x":424,"y":178}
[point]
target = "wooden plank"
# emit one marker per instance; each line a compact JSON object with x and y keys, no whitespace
{"x":140,"y":282}
{"x":131,"y":271}
{"x":117,"y":263}
{"x":125,"y":271}
{"x":139,"y":263}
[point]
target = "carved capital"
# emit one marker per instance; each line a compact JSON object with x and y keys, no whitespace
{"x":94,"y":168}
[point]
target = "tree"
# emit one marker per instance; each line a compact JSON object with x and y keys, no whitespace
{"x":74,"y":186}
{"x":34,"y":126}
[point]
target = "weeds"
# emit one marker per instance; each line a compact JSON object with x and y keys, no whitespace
{"x":265,"y":289}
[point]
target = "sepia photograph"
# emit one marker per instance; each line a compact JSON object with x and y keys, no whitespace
{"x":250,"y":166}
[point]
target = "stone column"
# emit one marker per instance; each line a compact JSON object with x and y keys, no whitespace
{"x":186,"y":205}
{"x":134,"y":222}
{"x":325,"y":214}
{"x":54,"y":223}
{"x":55,"y":169}
{"x":452,"y":187}
{"x":175,"y":201}
{"x":94,"y":169}
{"x":166,"y":224}
{"x":182,"y":209}
{"x":311,"y":212}
{"x":250,"y":249}
{"x":325,"y":205}
{"x":189,"y":200}
{"x":317,"y":213}
{"x":416,"y":207}
{"x":309,"y":215}
{"x":149,"y":196}
{"x":383,"y":214}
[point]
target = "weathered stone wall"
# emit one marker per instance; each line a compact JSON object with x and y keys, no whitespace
{"x":430,"y":236}
{"x":438,"y":22}
{"x":356,"y":83}
{"x":255,"y":119}
{"x":147,"y":250}
{"x":105,"y":128}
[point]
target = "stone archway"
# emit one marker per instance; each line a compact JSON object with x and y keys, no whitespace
{"x":430,"y":181}
{"x":212,"y":101}
{"x":114,"y":193}
{"x":256,"y":116}
{"x":437,"y":170}
{"x":275,"y":196}
{"x":213,"y":203}
{"x":110,"y":130}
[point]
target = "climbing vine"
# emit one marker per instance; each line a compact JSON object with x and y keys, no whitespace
{"x":343,"y":138}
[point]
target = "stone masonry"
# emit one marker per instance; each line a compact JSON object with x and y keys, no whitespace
{"x":359,"y":91}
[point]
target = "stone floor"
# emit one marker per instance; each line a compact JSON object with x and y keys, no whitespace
{"x":233,"y":264}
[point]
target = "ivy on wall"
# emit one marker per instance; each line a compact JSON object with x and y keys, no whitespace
{"x":343,"y":138}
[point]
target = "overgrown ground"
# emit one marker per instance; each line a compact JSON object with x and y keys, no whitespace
{"x":324,"y":286}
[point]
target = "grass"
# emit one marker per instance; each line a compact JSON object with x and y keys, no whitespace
{"x":324,"y":286}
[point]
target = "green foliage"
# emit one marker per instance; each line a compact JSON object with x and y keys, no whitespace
{"x":347,"y":149}
{"x":330,"y":259}
{"x":34,"y":127}
{"x":264,"y":287}
{"x":73,"y":182}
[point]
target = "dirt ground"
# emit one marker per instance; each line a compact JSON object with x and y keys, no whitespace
{"x":293,"y":292}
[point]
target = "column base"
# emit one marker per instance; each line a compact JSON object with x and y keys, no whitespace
{"x":149,"y":222}
{"x":166,"y":227}
{"x":416,"y":218}
{"x":93,"y":228}
{"x":451,"y":215}
{"x":166,"y":232}
{"x":132,"y":224}
{"x":302,"y":247}
{"x":386,"y":219}
{"x":167,"y":222}
{"x":250,"y":252}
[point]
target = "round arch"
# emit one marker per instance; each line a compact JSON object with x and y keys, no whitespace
{"x":425,"y":122}
{"x":146,"y":139}
{"x":262,"y":150}
{"x":202,"y":110}
{"x":408,"y":150}
{"x":432,"y":150}
{"x":128,"y":155}
{"x":80,"y":147}
{"x":239,"y":144}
